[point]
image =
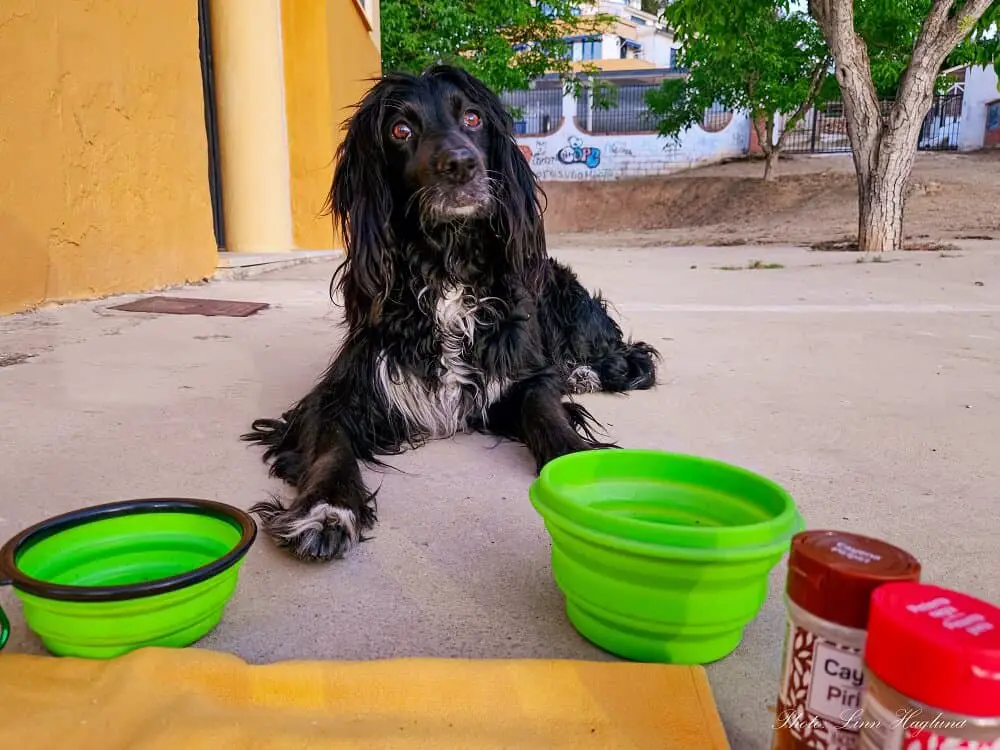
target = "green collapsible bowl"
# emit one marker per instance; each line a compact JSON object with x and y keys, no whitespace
{"x":662,"y":557}
{"x":105,"y":580}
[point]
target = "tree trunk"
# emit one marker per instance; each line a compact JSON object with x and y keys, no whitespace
{"x":772,"y":149}
{"x":882,"y":183}
{"x":770,"y":160}
{"x":880,"y":213}
{"x":765,"y":134}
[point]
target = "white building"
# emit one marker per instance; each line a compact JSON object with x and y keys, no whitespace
{"x":979,"y":87}
{"x":636,"y":39}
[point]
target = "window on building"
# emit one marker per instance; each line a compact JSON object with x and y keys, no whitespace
{"x":591,"y":49}
{"x":993,"y":116}
{"x":628,"y":49}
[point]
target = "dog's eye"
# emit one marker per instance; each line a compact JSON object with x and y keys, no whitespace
{"x":472,"y":120}
{"x":401,"y":131}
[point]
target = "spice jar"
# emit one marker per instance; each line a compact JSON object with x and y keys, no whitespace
{"x":932,"y":668}
{"x":831,"y":576}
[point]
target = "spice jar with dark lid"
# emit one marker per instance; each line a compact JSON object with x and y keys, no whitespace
{"x":932,"y":668}
{"x":831,"y":577}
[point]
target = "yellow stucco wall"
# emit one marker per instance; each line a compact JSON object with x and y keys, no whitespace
{"x":248,"y":51}
{"x":103,"y":154}
{"x":330,"y":55}
{"x":308,"y":110}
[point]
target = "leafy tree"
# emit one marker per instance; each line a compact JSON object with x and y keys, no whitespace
{"x":888,"y":56}
{"x":506,"y":43}
{"x":874,"y":41}
{"x":775,"y":62}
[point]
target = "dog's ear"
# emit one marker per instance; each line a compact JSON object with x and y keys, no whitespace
{"x":519,"y":196}
{"x":361,"y":203}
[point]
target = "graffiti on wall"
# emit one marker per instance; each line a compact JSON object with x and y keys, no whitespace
{"x":576,"y":160}
{"x":577,"y":153}
{"x":581,"y":157}
{"x":619,"y":148}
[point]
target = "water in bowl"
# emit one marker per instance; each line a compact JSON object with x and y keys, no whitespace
{"x":671,"y":503}
{"x":129,"y":549}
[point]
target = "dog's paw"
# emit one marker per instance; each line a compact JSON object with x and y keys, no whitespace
{"x":320,"y":531}
{"x":584,"y":379}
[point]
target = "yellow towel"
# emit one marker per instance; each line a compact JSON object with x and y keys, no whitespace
{"x":189,"y":699}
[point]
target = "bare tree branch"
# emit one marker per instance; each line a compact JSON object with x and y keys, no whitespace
{"x":966,"y":18}
{"x":939,"y":35}
{"x":937,"y":17}
{"x":816,"y":80}
{"x":836,"y":20}
{"x":819,"y":9}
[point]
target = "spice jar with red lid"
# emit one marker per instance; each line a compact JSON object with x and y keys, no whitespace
{"x":932,"y":668}
{"x":831,"y":576}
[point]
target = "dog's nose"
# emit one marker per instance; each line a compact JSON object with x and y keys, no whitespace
{"x":457,"y":164}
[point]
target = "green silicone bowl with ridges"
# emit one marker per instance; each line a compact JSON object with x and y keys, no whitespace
{"x":662,"y":557}
{"x":105,"y":580}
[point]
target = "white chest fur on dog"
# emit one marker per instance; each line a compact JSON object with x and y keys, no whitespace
{"x":443,"y":408}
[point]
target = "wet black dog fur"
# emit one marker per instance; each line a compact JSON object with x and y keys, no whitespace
{"x":457,"y":319}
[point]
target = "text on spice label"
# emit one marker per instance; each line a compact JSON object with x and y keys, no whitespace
{"x":940,"y":608}
{"x":853,"y":553}
{"x":837,"y":681}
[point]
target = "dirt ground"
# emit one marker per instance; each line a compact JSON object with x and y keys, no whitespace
{"x":814,"y":199}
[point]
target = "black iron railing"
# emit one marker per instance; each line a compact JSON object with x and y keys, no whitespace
{"x":535,"y":111}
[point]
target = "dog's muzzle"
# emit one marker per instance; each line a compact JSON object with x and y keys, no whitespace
{"x":460,"y":185}
{"x":456,"y":165}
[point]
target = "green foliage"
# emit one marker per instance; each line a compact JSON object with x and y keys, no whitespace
{"x":506,"y":43}
{"x":982,"y":45}
{"x":767,"y":61}
{"x":758,"y":55}
{"x":890,"y":29}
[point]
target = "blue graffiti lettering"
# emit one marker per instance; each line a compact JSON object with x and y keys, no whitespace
{"x":577,"y":153}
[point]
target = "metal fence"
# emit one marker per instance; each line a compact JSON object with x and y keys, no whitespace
{"x":716,"y":118}
{"x":535,"y":111}
{"x":824,"y":129}
{"x":941,"y":126}
{"x":621,"y":110}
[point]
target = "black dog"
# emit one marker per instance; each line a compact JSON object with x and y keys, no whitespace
{"x":457,"y":320}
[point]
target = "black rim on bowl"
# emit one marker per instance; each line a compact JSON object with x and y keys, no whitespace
{"x":10,"y":574}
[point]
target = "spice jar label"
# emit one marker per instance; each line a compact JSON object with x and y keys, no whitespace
{"x":820,"y":697}
{"x":837,"y":681}
{"x":881,"y":729}
{"x":918,"y":738}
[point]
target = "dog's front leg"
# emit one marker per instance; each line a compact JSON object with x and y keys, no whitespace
{"x":331,"y":507}
{"x":533,"y":412}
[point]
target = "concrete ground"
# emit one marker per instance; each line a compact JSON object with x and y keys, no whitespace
{"x":870,"y":390}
